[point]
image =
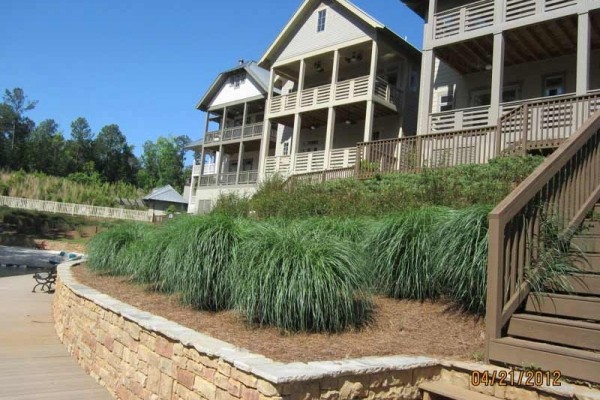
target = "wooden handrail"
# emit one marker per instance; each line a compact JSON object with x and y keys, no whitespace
{"x":565,"y":186}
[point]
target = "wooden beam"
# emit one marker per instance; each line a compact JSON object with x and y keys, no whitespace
{"x":539,"y":41}
{"x":516,"y":45}
{"x":564,"y":30}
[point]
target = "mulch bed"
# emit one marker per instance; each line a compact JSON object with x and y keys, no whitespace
{"x":399,"y":327}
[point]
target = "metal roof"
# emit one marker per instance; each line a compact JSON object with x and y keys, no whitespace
{"x":167,"y":194}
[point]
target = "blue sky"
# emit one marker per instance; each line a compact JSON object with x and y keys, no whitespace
{"x":143,"y":64}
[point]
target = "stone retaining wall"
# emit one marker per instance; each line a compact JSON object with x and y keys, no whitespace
{"x":137,"y":355}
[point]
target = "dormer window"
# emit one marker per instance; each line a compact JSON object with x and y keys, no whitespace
{"x":321,"y":20}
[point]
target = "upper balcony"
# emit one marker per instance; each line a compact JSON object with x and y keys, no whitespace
{"x":480,"y":18}
{"x":237,"y":133}
{"x":347,"y":91}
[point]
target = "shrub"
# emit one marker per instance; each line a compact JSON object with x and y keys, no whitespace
{"x":400,"y":254}
{"x":232,"y":204}
{"x":110,"y":251}
{"x":197,"y":260}
{"x":460,"y":257}
{"x":300,"y":280}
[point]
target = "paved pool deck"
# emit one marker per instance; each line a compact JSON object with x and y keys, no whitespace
{"x":34,"y":364}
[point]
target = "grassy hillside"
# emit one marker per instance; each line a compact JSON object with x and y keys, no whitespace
{"x":455,"y":187}
{"x":75,"y":190}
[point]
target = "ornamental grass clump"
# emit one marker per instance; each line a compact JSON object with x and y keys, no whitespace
{"x":197,"y":261}
{"x":460,"y":257}
{"x":355,"y":230}
{"x":300,"y":279}
{"x":400,"y":250}
{"x":107,"y":251}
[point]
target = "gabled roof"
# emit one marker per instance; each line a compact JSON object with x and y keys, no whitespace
{"x":167,"y":194}
{"x":306,"y":8}
{"x":259,"y":75}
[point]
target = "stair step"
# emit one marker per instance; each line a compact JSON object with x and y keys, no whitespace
{"x":587,"y":308}
{"x":574,"y":333}
{"x":574,"y":363}
{"x":590,"y":264}
{"x":587,"y":243}
{"x":448,"y":391}
{"x":584,"y":284}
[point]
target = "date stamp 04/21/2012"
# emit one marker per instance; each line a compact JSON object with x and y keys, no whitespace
{"x":514,"y":377}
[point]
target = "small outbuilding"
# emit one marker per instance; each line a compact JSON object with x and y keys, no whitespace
{"x":166,"y":199}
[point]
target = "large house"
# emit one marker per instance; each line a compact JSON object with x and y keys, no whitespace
{"x":334,"y":76}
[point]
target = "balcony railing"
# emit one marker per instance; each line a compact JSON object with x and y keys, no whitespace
{"x":239,"y":132}
{"x":474,"y":117}
{"x":351,"y":89}
{"x":310,"y":162}
{"x":480,"y":14}
{"x":209,"y":168}
{"x":228,"y":179}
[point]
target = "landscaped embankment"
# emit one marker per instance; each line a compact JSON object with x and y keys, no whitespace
{"x":137,"y":355}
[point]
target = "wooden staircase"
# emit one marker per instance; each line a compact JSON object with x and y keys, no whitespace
{"x":561,"y":331}
{"x":549,"y":330}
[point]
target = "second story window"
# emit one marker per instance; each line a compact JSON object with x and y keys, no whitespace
{"x":286,"y":149}
{"x":321,"y":20}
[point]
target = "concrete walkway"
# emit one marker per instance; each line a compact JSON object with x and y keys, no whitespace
{"x":33,"y":362}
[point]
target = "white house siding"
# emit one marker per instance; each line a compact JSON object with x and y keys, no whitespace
{"x":229,"y":93}
{"x":340,"y":27}
{"x":445,"y":81}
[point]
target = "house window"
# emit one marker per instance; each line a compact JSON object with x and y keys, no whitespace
{"x":446,"y":102}
{"x":483,"y":98}
{"x":414,"y":80}
{"x":286,"y":149}
{"x":248,"y":164}
{"x":237,"y":79}
{"x":554,"y":85}
{"x":321,"y":20}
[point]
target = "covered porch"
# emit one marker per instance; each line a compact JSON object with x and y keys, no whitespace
{"x":484,"y":78}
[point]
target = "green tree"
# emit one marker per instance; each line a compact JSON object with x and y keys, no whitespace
{"x":81,"y":142}
{"x":163,"y":163}
{"x":114,"y":156}
{"x":15,"y":127}
{"x":46,"y":150}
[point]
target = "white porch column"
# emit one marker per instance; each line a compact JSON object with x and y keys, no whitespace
{"x":223,"y":123}
{"x":373,"y":70}
{"x":334,"y":74}
{"x":583,"y":54}
{"x":497,"y":79}
{"x":218,"y":161}
{"x":266,"y":137}
{"x":301,"y":76}
{"x":370,"y":114}
{"x":329,"y":136}
{"x":240,"y":161}
{"x":202,"y":161}
{"x":426,"y":91}
{"x":245,"y":113}
{"x":295,"y":140}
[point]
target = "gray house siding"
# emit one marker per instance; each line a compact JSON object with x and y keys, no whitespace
{"x":340,"y":27}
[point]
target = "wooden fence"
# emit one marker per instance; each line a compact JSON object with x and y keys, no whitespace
{"x":76,"y":209}
{"x":321,"y":176}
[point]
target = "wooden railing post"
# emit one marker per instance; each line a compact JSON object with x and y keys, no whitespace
{"x":525,"y":128}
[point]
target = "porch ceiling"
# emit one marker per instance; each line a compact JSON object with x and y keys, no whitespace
{"x":537,"y":42}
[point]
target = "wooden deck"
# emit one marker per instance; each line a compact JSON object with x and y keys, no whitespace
{"x":33,"y":362}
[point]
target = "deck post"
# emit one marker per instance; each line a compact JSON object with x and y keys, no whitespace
{"x":266,"y":136}
{"x":425,"y":91}
{"x":583,"y":53}
{"x":240,"y":161}
{"x":497,"y":78}
{"x":295,"y":141}
{"x":329,"y":136}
